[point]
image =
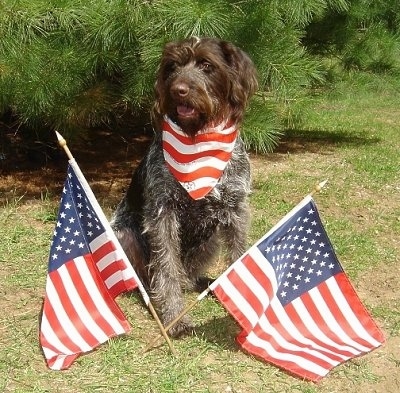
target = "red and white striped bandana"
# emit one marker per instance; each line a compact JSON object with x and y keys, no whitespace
{"x":198,"y":163}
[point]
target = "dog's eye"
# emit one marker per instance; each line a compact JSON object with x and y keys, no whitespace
{"x":205,"y":65}
{"x":169,"y":68}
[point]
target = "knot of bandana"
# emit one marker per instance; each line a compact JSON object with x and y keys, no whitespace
{"x":198,"y":162}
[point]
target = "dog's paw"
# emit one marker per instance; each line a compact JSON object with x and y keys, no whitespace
{"x":184,"y":327}
{"x":202,"y":283}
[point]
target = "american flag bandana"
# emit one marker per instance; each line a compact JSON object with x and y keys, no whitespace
{"x":198,"y":162}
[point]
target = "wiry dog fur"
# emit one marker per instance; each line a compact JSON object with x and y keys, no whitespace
{"x":169,"y":237}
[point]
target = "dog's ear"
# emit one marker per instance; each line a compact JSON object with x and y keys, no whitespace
{"x":244,"y":76}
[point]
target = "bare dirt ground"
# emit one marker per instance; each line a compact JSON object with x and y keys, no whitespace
{"x":37,"y":169}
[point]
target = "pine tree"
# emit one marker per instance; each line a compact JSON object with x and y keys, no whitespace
{"x":69,"y":64}
{"x":365,"y":37}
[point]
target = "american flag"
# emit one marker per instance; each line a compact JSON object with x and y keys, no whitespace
{"x":87,"y":270}
{"x":290,"y":295}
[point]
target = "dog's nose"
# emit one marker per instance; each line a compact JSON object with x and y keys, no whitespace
{"x":180,"y":89}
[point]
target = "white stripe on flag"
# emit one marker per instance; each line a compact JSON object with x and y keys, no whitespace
{"x":49,"y":353}
{"x":52,"y":338}
{"x":259,"y":259}
{"x":292,"y":329}
{"x":331,"y":320}
{"x":236,"y":296}
{"x":240,"y":302}
{"x":59,"y":363}
{"x":98,"y":299}
{"x":265,"y":266}
{"x":308,"y":321}
{"x":253,"y":284}
{"x":107,"y":260}
{"x":308,"y":346}
{"x":128,"y":273}
{"x":62,"y":315}
{"x":113,"y":279}
{"x":299,"y":360}
{"x":100,"y":240}
{"x":351,"y":318}
{"x":76,"y":299}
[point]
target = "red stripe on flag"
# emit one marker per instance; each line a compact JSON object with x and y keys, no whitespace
{"x":87,"y":299}
{"x":105,"y":249}
{"x":286,"y":365}
{"x":342,"y":319}
{"x":283,"y":351}
{"x":358,"y":308}
{"x":57,"y":327}
{"x":233,"y":277}
{"x":122,"y":286}
{"x":117,"y":288}
{"x":115,"y":266}
{"x":306,"y":332}
{"x":259,"y":274}
{"x":68,"y":306}
{"x":43,"y":338}
{"x":67,"y":360}
{"x":232,"y":307}
{"x":317,"y":317}
{"x":299,"y":351}
{"x":111,"y":269}
{"x":247,"y":293}
{"x":313,"y":342}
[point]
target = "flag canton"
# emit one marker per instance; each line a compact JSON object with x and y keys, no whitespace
{"x":77,"y":224}
{"x":300,"y":253}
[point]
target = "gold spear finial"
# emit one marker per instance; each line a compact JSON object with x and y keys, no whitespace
{"x":319,"y":187}
{"x":63,"y":143}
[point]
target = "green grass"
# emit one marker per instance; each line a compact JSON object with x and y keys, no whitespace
{"x":349,"y":137}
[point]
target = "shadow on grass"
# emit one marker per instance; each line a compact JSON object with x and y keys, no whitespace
{"x":220,"y":331}
{"x":297,"y":141}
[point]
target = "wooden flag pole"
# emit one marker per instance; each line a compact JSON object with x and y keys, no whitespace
{"x":63,"y":143}
{"x":179,"y":317}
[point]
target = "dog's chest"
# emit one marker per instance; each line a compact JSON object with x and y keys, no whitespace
{"x":201,"y":218}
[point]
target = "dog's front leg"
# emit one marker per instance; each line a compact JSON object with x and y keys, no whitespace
{"x":166,"y":271}
{"x":235,"y":232}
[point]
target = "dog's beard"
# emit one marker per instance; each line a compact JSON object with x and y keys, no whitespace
{"x":188,"y":118}
{"x":195,"y":117}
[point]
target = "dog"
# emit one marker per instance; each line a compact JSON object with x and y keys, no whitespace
{"x":177,"y":213}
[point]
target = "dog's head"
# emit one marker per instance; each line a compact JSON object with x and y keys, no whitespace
{"x":203,"y":81}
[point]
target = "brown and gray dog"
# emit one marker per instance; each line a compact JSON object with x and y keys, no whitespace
{"x":170,"y":236}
